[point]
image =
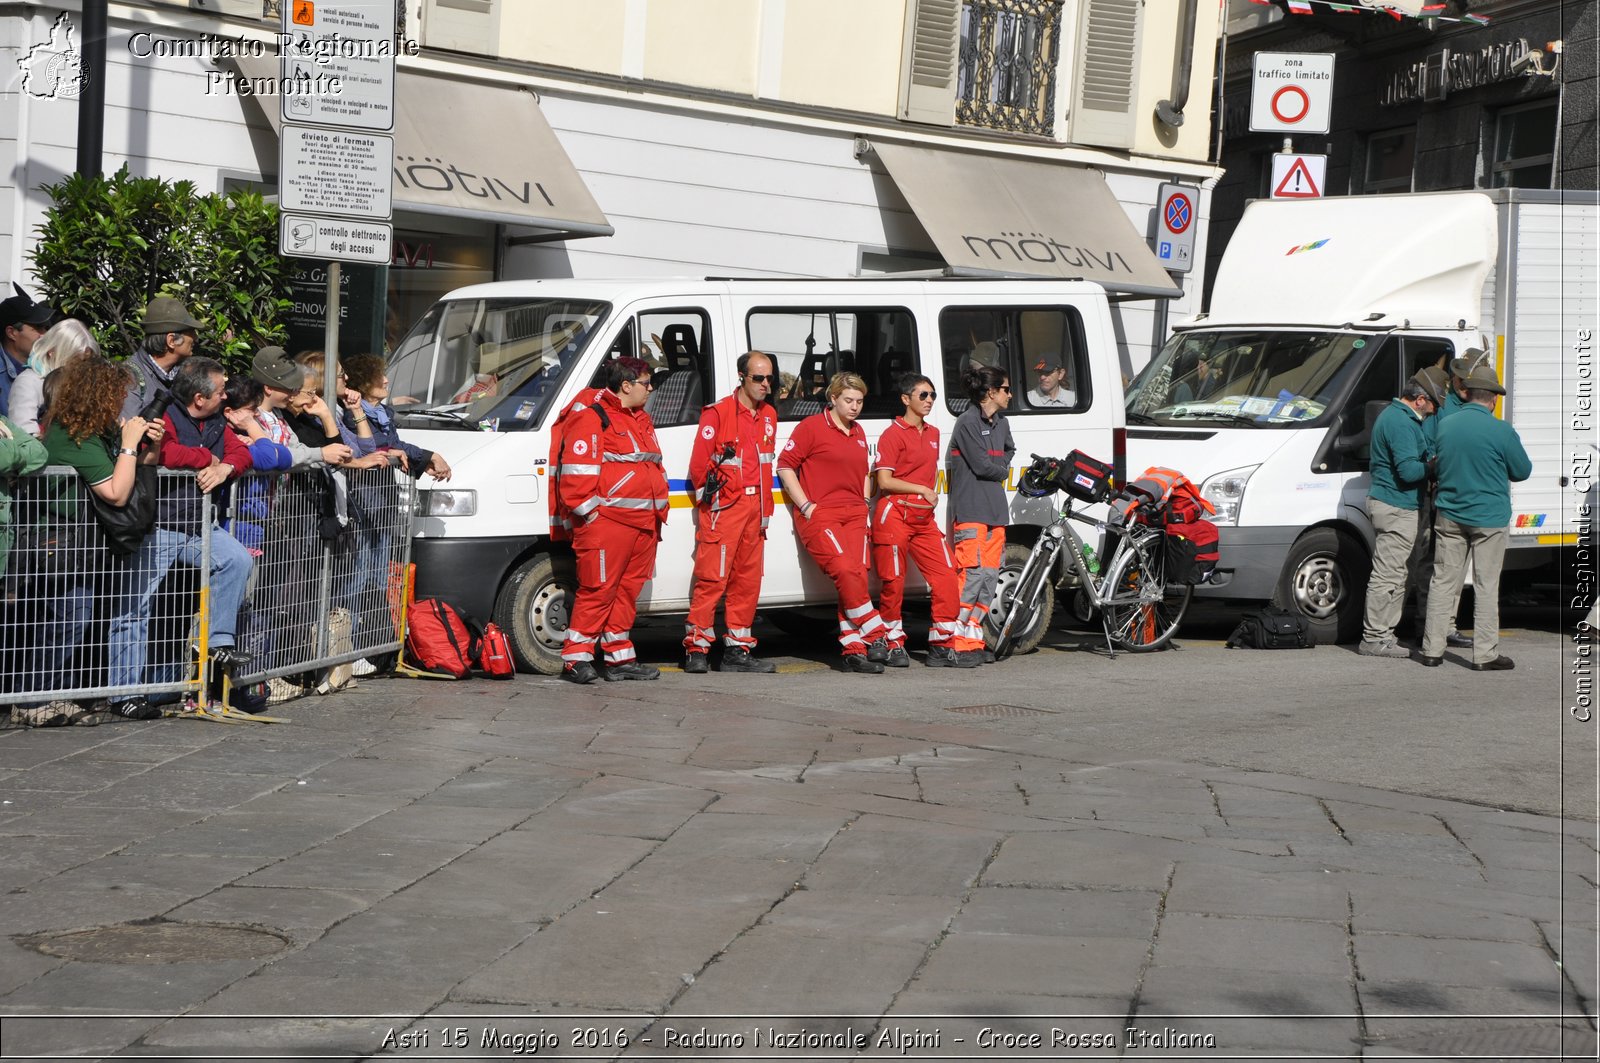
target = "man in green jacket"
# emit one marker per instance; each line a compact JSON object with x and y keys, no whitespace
{"x":1394,"y":502}
{"x":1480,"y":456}
{"x":20,"y":454}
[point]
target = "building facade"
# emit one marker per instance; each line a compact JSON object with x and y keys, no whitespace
{"x":613,"y":138}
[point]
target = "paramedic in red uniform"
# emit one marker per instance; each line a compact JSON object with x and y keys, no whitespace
{"x":904,"y":528}
{"x":735,"y":446}
{"x":823,"y":468}
{"x":612,"y":482}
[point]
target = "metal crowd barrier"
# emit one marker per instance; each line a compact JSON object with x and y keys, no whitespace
{"x":326,"y":587}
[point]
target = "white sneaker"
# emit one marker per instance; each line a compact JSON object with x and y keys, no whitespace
{"x":1384,"y":648}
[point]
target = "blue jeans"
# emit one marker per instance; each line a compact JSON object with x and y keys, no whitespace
{"x":130,"y":628}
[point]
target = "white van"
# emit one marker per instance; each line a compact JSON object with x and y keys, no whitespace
{"x":1320,"y":312}
{"x":482,"y":375}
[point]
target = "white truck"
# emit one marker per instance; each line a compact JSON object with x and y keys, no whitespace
{"x":483,"y":374}
{"x":1321,"y":310}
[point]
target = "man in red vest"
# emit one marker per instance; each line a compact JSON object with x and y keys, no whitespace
{"x":730,"y":478}
{"x":612,"y":483}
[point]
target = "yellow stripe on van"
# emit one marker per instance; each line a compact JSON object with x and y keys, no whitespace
{"x":1556,"y":540}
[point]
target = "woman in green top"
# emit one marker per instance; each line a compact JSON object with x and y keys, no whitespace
{"x":82,"y":429}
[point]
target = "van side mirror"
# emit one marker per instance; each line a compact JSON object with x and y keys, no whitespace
{"x":1358,"y":441}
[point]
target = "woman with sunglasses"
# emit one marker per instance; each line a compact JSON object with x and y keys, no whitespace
{"x":823,"y":469}
{"x":977,"y":464}
{"x":904,"y":528}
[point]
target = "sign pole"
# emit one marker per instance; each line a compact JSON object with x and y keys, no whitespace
{"x":330,"y":342}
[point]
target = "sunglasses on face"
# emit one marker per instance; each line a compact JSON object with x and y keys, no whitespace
{"x":924,"y":396}
{"x":759,"y":378}
{"x":1005,"y":388}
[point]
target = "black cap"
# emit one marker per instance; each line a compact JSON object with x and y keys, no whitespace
{"x":21,"y":310}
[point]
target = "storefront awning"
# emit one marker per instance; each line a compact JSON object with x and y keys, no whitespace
{"x":472,"y":150}
{"x":995,"y":215}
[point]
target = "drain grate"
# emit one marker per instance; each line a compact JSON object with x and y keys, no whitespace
{"x":1001,"y":710}
{"x":158,"y":942}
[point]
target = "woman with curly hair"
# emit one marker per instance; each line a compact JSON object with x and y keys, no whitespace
{"x":62,"y":342}
{"x":83,"y":429}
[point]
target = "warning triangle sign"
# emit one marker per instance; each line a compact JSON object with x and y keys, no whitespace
{"x":1297,"y":183}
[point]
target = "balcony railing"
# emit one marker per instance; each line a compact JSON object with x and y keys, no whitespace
{"x":1006,"y":72}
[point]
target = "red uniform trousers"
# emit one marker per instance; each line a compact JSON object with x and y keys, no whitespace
{"x":728,"y":555}
{"x":906,"y":532}
{"x":980,"y":549}
{"x":614,"y":561}
{"x":836,"y":538}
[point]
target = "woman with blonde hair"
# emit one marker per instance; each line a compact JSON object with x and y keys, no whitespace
{"x":823,"y":469}
{"x":61,"y":343}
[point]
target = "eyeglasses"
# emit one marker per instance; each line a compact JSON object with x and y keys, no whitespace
{"x":759,"y":378}
{"x":1005,"y":388}
{"x":647,"y":384}
{"x":924,"y":396}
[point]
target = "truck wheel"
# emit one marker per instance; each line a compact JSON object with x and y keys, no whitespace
{"x":1026,"y":634}
{"x":533,"y":609}
{"x":1325,"y":581}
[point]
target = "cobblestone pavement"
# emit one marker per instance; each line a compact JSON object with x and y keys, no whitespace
{"x":760,"y":867}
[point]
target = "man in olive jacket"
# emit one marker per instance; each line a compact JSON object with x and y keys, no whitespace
{"x":1480,"y":456}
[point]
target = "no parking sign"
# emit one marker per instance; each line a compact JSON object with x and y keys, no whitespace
{"x":1176,"y":209}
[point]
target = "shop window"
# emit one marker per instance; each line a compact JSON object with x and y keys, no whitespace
{"x":429,"y":263}
{"x":1390,"y":156}
{"x":812,"y":344}
{"x":1523,"y":152}
{"x":1041,"y":350}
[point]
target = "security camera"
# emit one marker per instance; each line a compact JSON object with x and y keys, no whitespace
{"x":1529,"y":62}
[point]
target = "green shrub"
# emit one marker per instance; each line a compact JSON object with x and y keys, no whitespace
{"x":108,"y":245}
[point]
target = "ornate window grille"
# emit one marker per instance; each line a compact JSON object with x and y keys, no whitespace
{"x":1006,"y":72}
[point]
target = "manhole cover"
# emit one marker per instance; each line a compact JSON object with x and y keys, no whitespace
{"x":159,"y":942}
{"x":1001,"y":710}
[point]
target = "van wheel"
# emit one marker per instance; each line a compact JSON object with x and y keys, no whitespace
{"x":1028,"y":632}
{"x":533,"y":609}
{"x":1325,"y":581}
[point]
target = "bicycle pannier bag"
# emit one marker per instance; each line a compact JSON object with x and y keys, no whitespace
{"x":1086,"y":478}
{"x":1192,"y":551}
{"x":437,"y":639}
{"x":1273,"y":628}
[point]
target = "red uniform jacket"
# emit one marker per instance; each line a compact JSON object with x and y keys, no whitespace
{"x":726,"y":422}
{"x":612,"y":466}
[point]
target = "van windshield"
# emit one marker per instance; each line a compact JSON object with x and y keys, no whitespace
{"x":1264,"y":379}
{"x":489,"y":363}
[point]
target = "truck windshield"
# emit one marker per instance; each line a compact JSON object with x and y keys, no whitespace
{"x":489,"y":363}
{"x":1264,"y":379}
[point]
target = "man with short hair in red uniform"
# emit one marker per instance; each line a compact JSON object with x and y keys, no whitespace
{"x":823,"y":469}
{"x":612,"y":482}
{"x":734,"y":449}
{"x":904,"y":528}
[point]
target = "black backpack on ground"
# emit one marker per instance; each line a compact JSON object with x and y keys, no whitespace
{"x":1273,"y":628}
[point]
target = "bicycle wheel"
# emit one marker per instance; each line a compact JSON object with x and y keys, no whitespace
{"x":1026,"y":590}
{"x":1141,"y":612}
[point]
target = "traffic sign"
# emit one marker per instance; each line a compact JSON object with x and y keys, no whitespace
{"x":1298,"y":176}
{"x":1291,"y":92}
{"x":349,"y":43}
{"x":336,"y":171}
{"x":1176,"y":210}
{"x":333,"y":239}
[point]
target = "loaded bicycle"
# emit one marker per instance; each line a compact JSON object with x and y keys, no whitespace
{"x":1139,"y":610}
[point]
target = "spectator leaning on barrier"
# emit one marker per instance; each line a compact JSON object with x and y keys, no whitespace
{"x":22,"y":322}
{"x":368,"y":376}
{"x":1480,"y":456}
{"x":197,"y":438}
{"x":81,"y":430}
{"x":170,"y":334}
{"x":20,"y":454}
{"x":1399,"y":478}
{"x":281,"y":381}
{"x":62,"y":341}
{"x":252,"y":498}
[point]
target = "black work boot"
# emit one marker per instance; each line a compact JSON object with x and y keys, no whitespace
{"x":580,"y":672}
{"x":695,"y":664}
{"x":738,"y":659}
{"x":616,"y":673}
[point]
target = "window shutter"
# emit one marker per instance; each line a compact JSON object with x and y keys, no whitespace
{"x":1107,"y":73}
{"x":933,"y":43}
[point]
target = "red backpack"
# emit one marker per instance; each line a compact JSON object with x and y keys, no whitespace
{"x":437,"y":639}
{"x":494,"y":653}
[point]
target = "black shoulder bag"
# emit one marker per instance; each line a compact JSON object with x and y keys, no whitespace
{"x":125,"y":526}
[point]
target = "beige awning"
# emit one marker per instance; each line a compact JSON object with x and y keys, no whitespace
{"x":997,"y":215}
{"x":472,"y":150}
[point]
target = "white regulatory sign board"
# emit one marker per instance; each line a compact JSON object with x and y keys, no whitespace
{"x":1177,"y":207}
{"x":1291,"y":92}
{"x":338,"y":63}
{"x":336,"y":171}
{"x":335,"y":239}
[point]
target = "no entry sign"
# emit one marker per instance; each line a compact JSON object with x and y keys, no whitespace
{"x":1291,"y":92}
